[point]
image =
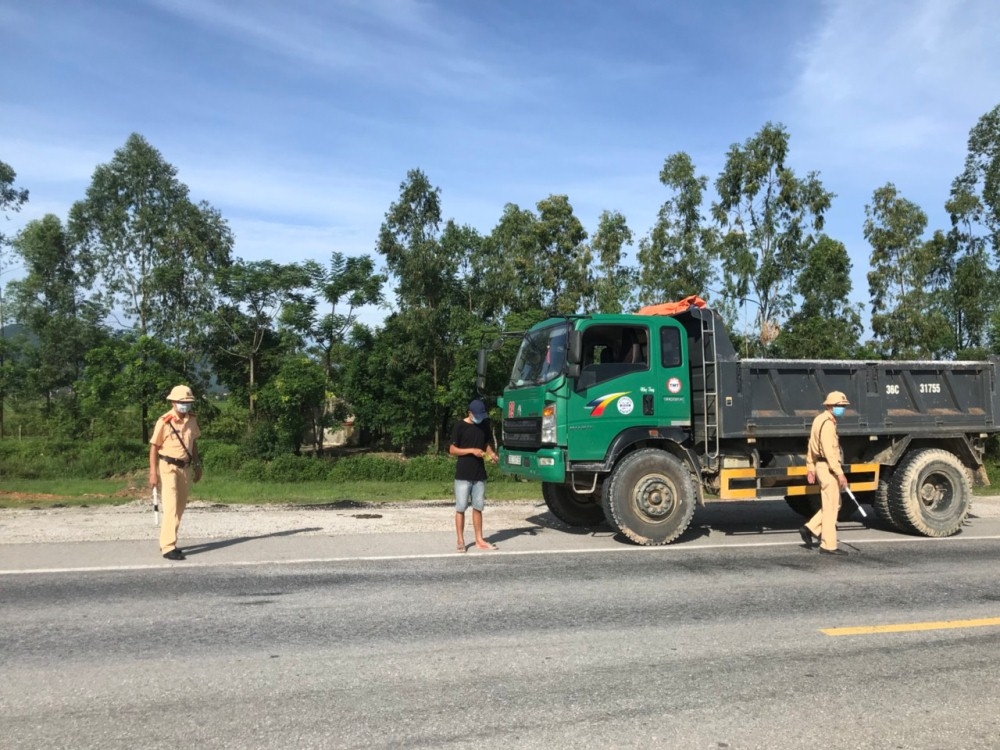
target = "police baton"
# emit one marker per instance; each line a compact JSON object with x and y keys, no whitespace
{"x":851,"y":495}
{"x":156,"y":505}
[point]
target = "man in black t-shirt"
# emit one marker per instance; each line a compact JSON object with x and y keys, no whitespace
{"x":470,"y":441}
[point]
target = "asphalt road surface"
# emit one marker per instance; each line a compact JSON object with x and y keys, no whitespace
{"x":739,"y":639}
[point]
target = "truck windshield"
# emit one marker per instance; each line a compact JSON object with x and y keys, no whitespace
{"x":541,"y":357}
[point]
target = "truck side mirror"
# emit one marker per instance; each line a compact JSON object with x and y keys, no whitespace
{"x":481,"y":370}
{"x":574,"y":353}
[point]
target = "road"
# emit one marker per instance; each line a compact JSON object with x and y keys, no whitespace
{"x":558,"y":640}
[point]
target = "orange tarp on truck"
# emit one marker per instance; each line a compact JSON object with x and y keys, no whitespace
{"x":672,"y":308}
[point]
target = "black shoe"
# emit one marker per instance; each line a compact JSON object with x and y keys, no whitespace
{"x":807,"y":537}
{"x":174,"y":554}
{"x":838,"y":551}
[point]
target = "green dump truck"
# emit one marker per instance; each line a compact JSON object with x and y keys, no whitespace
{"x":634,"y":420}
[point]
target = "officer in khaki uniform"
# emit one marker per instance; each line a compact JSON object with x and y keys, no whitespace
{"x":823,"y":463}
{"x":173,"y":464}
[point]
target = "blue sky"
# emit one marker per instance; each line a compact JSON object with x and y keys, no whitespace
{"x":299,"y":119}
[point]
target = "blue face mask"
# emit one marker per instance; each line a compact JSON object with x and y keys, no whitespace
{"x":477,"y":420}
{"x":838,"y":411}
{"x":183,"y":408}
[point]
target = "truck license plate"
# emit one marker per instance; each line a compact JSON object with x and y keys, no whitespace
{"x":514,"y":460}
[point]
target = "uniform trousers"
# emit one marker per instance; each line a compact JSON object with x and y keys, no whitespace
{"x":824,"y":523}
{"x":175,"y":487}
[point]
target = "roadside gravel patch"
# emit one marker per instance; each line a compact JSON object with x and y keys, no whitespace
{"x":135,"y":521}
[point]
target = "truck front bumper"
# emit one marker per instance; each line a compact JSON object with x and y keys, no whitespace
{"x":544,"y":465}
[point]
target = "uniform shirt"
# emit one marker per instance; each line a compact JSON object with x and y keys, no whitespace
{"x":167,"y":441}
{"x":467,"y":435}
{"x":824,"y":445}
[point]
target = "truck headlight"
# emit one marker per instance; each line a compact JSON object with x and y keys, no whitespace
{"x":549,"y":424}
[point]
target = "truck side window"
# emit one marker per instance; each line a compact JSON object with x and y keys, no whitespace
{"x":670,"y":347}
{"x":612,"y":351}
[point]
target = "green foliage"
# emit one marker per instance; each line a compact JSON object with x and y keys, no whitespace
{"x":40,"y":458}
{"x":765,"y":214}
{"x":906,"y":281}
{"x":676,"y":257}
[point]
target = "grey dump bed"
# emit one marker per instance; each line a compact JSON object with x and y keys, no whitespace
{"x":780,"y":398}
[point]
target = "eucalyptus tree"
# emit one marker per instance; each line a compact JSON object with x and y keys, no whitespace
{"x":510,"y":264}
{"x":766,"y":216}
{"x":50,"y":300}
{"x":613,"y":280}
{"x":906,"y":280}
{"x":424,"y":261}
{"x":154,"y":252}
{"x":676,"y":257}
{"x":11,"y":200}
{"x":974,"y":242}
{"x":825,"y":326}
{"x":564,"y":276}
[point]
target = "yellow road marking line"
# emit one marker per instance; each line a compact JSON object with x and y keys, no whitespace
{"x":912,"y":626}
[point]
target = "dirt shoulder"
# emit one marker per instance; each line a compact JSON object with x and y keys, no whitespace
{"x":135,"y":520}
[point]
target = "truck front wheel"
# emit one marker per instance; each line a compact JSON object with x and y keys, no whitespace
{"x":930,"y":493}
{"x":651,"y":497}
{"x":570,"y":508}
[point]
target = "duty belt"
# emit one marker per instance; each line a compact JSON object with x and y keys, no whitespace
{"x":175,"y":461}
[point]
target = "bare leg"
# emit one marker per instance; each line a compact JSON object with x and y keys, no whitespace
{"x":460,"y":529}
{"x":477,"y":526}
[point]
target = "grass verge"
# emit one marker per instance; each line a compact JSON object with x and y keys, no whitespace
{"x":21,"y":493}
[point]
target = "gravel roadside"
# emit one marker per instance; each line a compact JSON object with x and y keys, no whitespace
{"x":135,"y":521}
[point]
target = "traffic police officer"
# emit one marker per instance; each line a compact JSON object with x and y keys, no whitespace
{"x":173,"y":464}
{"x":823,"y":463}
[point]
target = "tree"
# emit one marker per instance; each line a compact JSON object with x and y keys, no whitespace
{"x":351,"y":282}
{"x":510,"y":252}
{"x":766,"y":214}
{"x":906,"y":279}
{"x":564,"y":276}
{"x":676,"y":258}
{"x":50,"y":302}
{"x":614,"y":281}
{"x":291,"y":398}
{"x":154,"y":252}
{"x":244,"y":327}
{"x":425,"y":265}
{"x":974,"y":242}
{"x":11,"y":200}
{"x":825,"y":326}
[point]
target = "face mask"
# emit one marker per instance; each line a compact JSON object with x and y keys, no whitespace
{"x":182,"y":408}
{"x":477,"y":420}
{"x":838,"y":411}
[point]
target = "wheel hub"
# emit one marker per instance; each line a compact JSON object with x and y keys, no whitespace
{"x":935,"y":492}
{"x":655,"y":497}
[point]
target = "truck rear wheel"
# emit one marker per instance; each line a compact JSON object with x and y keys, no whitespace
{"x":569,"y":507}
{"x":651,"y":497}
{"x":930,"y":493}
{"x":882,"y":506}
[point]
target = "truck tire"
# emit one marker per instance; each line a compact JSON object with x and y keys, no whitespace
{"x":570,"y":508}
{"x":609,"y":518}
{"x":651,"y":497}
{"x":930,"y":494}
{"x":882,"y":506}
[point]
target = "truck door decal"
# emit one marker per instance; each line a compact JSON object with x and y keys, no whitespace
{"x":599,"y":404}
